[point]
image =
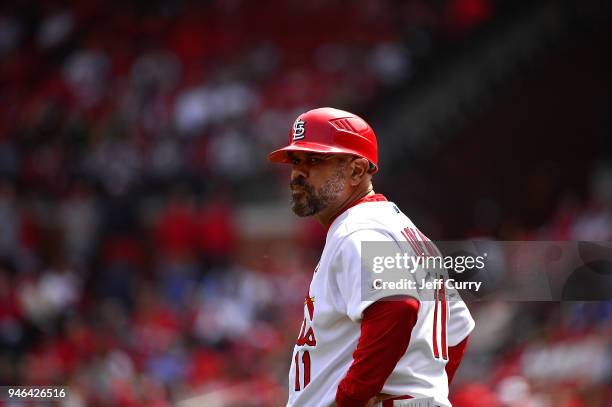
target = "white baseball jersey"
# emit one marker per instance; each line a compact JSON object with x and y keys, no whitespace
{"x":334,"y":306}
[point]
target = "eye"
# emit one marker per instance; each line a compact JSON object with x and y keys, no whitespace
{"x":314,"y":160}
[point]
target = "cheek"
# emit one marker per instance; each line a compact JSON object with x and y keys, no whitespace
{"x":317,"y":178}
{"x":322,"y":174}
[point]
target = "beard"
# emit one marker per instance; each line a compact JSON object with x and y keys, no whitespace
{"x":307,"y":201}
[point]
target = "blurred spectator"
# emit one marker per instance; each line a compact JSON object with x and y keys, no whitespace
{"x":9,"y":222}
{"x":78,"y":217}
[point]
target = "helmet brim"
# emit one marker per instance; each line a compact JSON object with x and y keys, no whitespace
{"x":282,"y":154}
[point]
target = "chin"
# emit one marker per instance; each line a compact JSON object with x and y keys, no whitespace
{"x":301,"y":211}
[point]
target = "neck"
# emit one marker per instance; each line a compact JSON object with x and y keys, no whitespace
{"x":326,"y":216}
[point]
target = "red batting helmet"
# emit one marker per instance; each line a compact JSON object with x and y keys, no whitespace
{"x":330,"y":131}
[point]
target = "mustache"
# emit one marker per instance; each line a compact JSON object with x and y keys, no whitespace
{"x":299,"y":182}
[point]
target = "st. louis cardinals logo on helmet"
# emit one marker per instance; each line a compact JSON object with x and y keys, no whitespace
{"x":298,"y":130}
{"x":330,"y":131}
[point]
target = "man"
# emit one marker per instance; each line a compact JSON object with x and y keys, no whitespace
{"x":351,"y":351}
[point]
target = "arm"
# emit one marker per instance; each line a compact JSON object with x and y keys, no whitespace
{"x":460,"y":326}
{"x":385,"y":333}
{"x":455,"y":354}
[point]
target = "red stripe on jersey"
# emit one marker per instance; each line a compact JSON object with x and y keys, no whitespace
{"x":411,"y":241}
{"x":443,"y":300}
{"x":435,"y":327}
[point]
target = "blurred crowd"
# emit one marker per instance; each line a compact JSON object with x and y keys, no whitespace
{"x":124,"y":93}
{"x":128,"y":134}
{"x":540,"y":354}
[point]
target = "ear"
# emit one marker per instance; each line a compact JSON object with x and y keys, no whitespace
{"x":359,"y":169}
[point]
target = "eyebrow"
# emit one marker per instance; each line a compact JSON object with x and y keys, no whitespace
{"x":309,"y":155}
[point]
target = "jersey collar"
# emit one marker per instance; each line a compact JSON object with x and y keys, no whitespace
{"x":367,"y":198}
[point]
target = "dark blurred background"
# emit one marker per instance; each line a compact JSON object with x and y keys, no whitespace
{"x":148,"y":254}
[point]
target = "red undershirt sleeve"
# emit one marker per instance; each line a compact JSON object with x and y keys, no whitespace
{"x":386,"y":328}
{"x":455,"y":354}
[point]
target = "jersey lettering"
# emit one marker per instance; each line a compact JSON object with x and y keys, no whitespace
{"x":421,"y":245}
{"x":306,"y":337}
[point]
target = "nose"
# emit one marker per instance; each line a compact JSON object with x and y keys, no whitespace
{"x":298,"y":170}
